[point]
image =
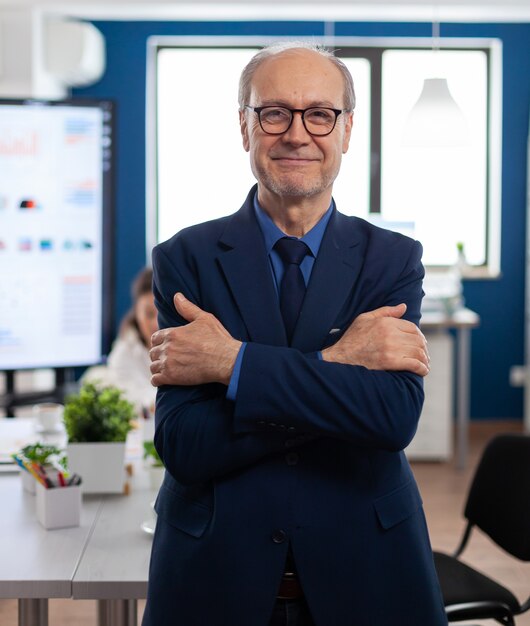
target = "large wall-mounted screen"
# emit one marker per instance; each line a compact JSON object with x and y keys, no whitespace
{"x":55,"y":232}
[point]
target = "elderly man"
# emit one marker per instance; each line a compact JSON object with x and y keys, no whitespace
{"x":290,"y":368}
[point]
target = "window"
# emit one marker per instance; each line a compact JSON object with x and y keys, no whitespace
{"x":203,"y":171}
{"x":441,"y":189}
{"x":439,"y":195}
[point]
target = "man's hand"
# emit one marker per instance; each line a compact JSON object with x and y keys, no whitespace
{"x":203,"y":351}
{"x":380,"y":340}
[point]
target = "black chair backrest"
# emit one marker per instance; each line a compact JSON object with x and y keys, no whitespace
{"x":499,"y":497}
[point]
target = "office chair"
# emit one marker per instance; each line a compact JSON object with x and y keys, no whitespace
{"x":499,"y":504}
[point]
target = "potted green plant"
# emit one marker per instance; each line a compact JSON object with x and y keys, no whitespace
{"x":155,"y":465}
{"x":97,"y":420}
{"x":43,"y":454}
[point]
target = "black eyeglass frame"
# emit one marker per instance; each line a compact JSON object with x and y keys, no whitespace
{"x":302,"y":112}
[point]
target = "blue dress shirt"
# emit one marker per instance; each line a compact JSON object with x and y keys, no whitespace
{"x":271,"y":233}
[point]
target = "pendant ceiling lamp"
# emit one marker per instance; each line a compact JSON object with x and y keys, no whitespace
{"x":435,"y":120}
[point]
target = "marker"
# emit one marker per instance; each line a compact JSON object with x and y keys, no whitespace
{"x":30,"y":469}
{"x":74,"y":480}
{"x":41,"y":471}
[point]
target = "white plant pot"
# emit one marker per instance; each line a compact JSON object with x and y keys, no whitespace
{"x":100,"y":465}
{"x":156,"y":476}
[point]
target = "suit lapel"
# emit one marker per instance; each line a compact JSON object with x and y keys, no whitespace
{"x":246,"y":267}
{"x":334,"y":274}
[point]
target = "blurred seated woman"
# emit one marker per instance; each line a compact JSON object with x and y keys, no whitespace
{"x":128,"y":362}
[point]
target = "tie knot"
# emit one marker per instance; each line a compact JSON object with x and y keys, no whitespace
{"x":291,"y":251}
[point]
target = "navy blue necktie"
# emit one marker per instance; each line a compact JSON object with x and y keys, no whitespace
{"x":292,"y":289}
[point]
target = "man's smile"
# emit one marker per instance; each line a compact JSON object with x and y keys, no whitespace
{"x":291,"y":160}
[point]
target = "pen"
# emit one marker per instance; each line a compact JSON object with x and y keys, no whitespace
{"x":35,"y":475}
{"x":74,"y":480}
{"x":41,"y":472}
{"x":19,"y":462}
{"x":24,"y":466}
{"x":59,"y":468}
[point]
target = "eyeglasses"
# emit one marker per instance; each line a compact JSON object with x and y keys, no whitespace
{"x":318,"y":121}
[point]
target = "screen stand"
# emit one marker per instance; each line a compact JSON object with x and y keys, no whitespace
{"x":13,"y":399}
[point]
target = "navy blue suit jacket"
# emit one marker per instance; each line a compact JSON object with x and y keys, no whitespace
{"x":309,"y":454}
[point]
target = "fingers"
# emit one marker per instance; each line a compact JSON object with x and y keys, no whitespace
{"x":157,"y":338}
{"x":162,"y":335}
{"x":155,"y":352}
{"x":156,"y":375}
{"x":417,"y":360}
{"x":416,"y":348}
{"x":158,"y":379}
{"x":160,"y":366}
{"x":387,"y":311}
{"x":415,"y":366}
{"x":156,"y":365}
{"x":189,"y":311}
{"x":162,"y":344}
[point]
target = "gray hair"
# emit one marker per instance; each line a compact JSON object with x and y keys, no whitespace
{"x":277,"y":48}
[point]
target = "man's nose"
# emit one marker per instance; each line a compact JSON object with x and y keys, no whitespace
{"x":297,"y":132}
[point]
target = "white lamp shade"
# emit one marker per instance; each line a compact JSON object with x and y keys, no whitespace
{"x":436,"y":119}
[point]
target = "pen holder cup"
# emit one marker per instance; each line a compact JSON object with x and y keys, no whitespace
{"x":28,"y":482}
{"x":59,"y":507}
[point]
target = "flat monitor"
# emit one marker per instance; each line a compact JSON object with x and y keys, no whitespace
{"x":55,"y":232}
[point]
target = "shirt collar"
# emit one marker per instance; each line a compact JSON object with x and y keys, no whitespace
{"x":271,"y":232}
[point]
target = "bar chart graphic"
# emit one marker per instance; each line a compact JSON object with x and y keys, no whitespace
{"x":19,"y":144}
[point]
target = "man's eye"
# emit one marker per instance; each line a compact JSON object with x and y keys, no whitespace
{"x":320,"y":116}
{"x":275,"y":115}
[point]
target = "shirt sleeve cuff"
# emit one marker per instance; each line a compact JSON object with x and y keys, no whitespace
{"x":231,"y":392}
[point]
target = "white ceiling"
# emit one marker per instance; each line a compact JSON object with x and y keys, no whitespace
{"x":369,"y":10}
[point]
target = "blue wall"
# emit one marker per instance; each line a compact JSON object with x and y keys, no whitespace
{"x":499,"y":342}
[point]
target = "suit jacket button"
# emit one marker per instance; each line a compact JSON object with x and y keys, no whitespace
{"x":278,"y":536}
{"x":292,"y":458}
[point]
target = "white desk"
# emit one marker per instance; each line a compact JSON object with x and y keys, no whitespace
{"x":106,"y":558}
{"x":462,"y":322}
{"x":37,"y":564}
{"x":115,"y":564}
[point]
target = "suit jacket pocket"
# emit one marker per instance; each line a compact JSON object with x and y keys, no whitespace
{"x":398,"y":505}
{"x":189,"y":516}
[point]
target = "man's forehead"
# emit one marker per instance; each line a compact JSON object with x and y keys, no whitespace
{"x":300,"y":74}
{"x":299,"y":59}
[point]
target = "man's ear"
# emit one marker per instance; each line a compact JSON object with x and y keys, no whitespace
{"x":347,"y":132}
{"x":243,"y":125}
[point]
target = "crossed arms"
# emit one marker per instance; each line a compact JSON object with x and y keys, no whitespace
{"x":204,"y":352}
